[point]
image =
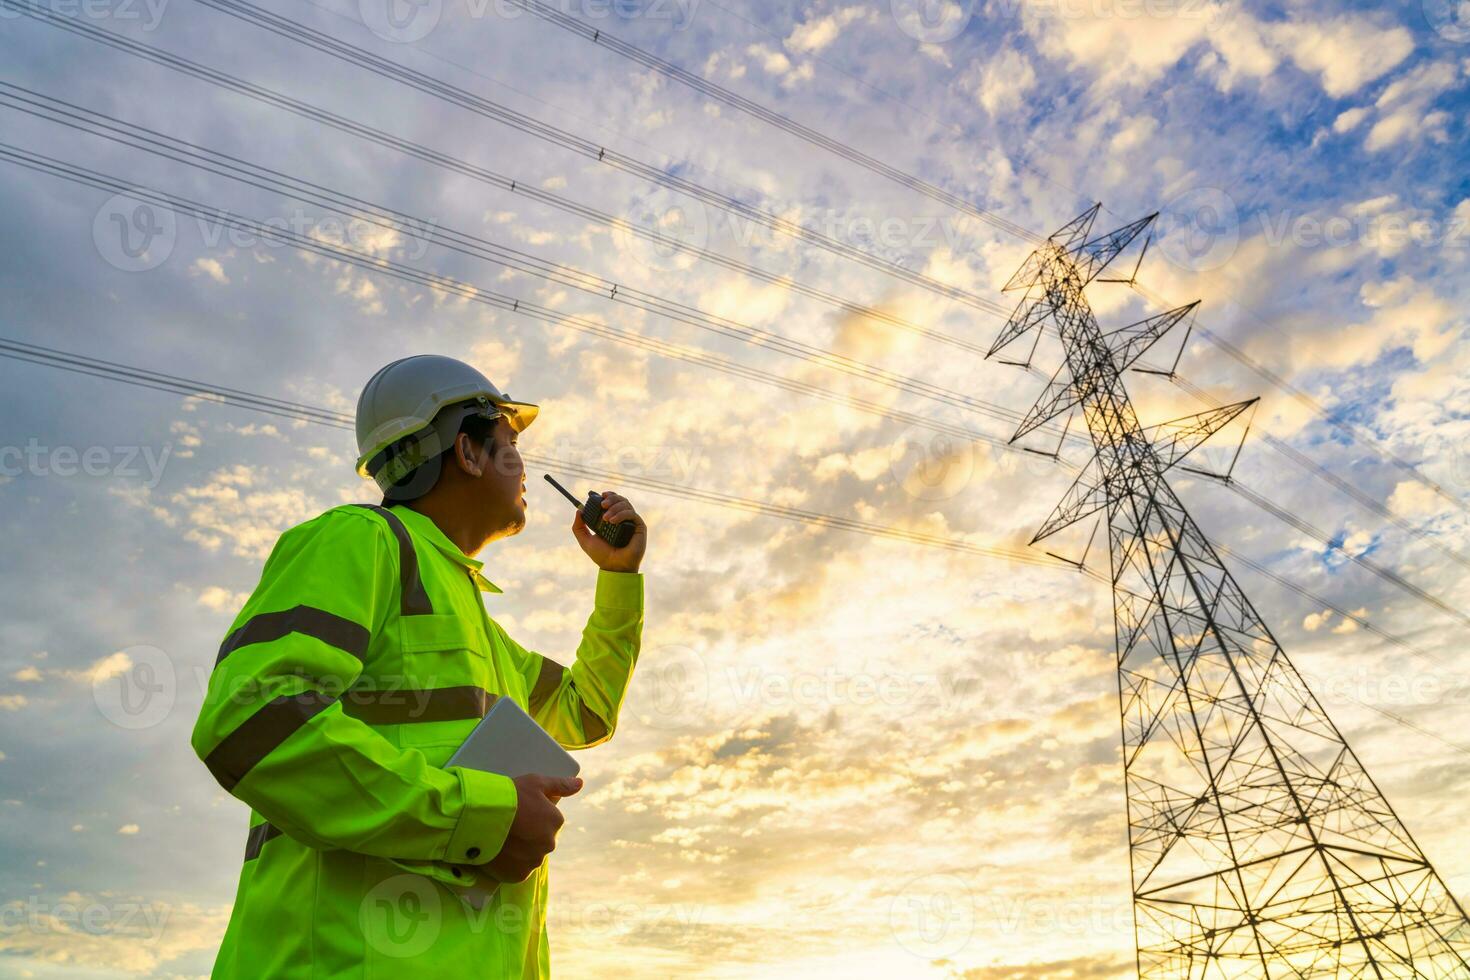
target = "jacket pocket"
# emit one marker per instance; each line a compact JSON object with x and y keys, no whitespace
{"x":441,"y":689}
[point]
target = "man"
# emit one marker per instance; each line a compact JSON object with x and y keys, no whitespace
{"x":362,"y":660}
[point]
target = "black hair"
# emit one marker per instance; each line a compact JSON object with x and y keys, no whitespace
{"x":424,"y":477}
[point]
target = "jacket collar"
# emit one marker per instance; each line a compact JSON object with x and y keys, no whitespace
{"x":424,"y":527}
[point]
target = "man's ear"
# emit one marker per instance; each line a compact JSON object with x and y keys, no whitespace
{"x":467,"y":455}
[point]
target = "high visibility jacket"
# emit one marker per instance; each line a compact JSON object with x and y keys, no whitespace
{"x":363,"y":658}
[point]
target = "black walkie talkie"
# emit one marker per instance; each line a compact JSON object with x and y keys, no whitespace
{"x":616,"y":535}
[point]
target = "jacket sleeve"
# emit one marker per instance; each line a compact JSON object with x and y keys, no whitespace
{"x":579,"y":705}
{"x":272,"y":730}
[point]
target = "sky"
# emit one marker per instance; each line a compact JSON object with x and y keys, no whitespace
{"x":842,"y":754}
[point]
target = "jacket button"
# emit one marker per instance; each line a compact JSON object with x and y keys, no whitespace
{"x":472,"y":853}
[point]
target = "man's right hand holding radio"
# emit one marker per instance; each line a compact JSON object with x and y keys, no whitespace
{"x":533,"y":831}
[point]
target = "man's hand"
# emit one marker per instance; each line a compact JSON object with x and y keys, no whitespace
{"x":615,"y":508}
{"x":533,"y":831}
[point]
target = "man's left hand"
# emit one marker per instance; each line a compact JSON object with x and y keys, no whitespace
{"x":617,"y":509}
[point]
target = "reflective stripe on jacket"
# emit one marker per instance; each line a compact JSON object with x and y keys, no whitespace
{"x":361,"y":661}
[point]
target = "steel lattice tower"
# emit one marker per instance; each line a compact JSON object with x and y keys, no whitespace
{"x":1259,"y":846}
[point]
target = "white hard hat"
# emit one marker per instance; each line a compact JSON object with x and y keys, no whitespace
{"x":409,"y":396}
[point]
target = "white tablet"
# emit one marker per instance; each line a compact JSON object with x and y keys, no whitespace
{"x":509,"y":742}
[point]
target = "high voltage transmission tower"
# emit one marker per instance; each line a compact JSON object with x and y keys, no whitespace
{"x":1259,"y":846}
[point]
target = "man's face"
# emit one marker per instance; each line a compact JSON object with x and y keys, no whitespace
{"x":502,"y":481}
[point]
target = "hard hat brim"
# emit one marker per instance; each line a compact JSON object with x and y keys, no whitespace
{"x":518,"y":414}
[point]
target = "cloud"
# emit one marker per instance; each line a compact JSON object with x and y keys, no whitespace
{"x":1410,"y":498}
{"x":113,"y":665}
{"x":221,"y":599}
{"x":817,"y":32}
{"x":1000,"y":83}
{"x":128,"y":829}
{"x":1346,"y":52}
{"x":774,"y":62}
{"x":211,"y":268}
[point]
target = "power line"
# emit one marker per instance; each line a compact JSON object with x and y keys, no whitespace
{"x":784,"y":123}
{"x":714,"y":91}
{"x":243,"y":171}
{"x":1356,"y":432}
{"x":142,"y":377}
{"x":439,"y":89}
{"x":269,"y":97}
{"x":174,"y":384}
{"x":1322,"y":537}
{"x":1314,"y":468}
{"x":711,"y":90}
{"x":321,"y":115}
{"x":375,"y":264}
{"x":434,"y":87}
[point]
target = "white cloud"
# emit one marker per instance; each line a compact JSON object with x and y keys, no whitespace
{"x":1000,"y":83}
{"x":774,"y":62}
{"x":212,"y":269}
{"x":816,"y":33}
{"x":128,"y":829}
{"x":26,"y":674}
{"x":221,"y":599}
{"x":1349,"y":119}
{"x":1413,"y":499}
{"x":1346,"y":52}
{"x":13,"y":702}
{"x":112,"y":665}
